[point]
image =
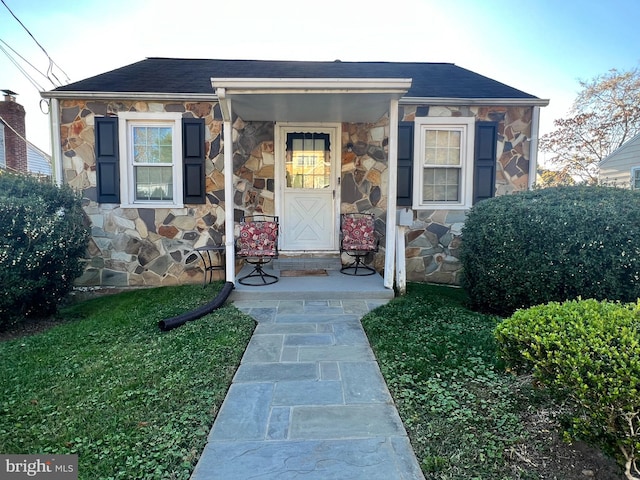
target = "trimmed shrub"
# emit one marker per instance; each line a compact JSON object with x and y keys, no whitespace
{"x":587,"y":352}
{"x":42,"y":241}
{"x":552,"y":244}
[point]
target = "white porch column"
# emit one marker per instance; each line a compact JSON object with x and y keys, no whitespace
{"x":390,"y":249}
{"x":533,"y":153}
{"x":56,"y":144}
{"x":230,"y":254}
{"x":401,"y":262}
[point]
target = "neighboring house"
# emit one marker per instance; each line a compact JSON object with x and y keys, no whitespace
{"x":38,"y":161}
{"x":622,"y":167}
{"x":171,"y":153}
{"x":17,"y":154}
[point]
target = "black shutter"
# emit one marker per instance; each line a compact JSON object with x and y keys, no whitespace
{"x":405,"y":164}
{"x":107,"y":162}
{"x":193,"y":145}
{"x":484,"y":171}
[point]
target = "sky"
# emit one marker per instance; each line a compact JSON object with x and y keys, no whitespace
{"x":543,"y":47}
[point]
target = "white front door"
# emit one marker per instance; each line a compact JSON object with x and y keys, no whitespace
{"x":307,"y":159}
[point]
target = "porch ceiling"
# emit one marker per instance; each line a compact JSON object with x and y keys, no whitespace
{"x":309,"y":100}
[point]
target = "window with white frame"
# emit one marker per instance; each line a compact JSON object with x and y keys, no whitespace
{"x":444,"y":162}
{"x":150,"y":159}
{"x":635,"y":178}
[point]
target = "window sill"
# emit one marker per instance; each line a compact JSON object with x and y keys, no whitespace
{"x":441,"y":206}
{"x":152,"y":205}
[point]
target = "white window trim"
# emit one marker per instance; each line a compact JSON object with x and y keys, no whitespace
{"x":127,"y":187}
{"x":422,"y":124}
{"x":633,"y":178}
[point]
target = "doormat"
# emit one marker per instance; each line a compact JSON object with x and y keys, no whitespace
{"x":321,"y":272}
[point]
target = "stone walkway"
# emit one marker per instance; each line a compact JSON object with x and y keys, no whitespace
{"x":308,"y":401}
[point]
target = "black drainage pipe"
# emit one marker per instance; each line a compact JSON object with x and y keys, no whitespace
{"x":174,"y":322}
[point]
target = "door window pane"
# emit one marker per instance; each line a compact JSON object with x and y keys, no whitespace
{"x":308,"y":162}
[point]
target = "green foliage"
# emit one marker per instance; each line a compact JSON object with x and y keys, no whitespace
{"x":552,"y":244}
{"x":589,"y":352}
{"x":439,"y":361}
{"x":42,"y":239}
{"x":108,"y":385}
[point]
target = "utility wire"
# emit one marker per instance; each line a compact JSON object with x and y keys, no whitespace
{"x":25,"y":61}
{"x":51,"y":62}
{"x":24,"y":72}
{"x":14,"y":130}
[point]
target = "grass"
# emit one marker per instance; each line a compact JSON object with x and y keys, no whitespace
{"x":108,"y":385}
{"x":439,"y":360}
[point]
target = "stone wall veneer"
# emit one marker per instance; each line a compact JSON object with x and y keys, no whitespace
{"x":142,"y":246}
{"x":434,"y":239}
{"x":147,"y":246}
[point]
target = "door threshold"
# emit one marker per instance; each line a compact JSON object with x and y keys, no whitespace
{"x":308,"y":253}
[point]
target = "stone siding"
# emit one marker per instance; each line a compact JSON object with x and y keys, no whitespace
{"x":433,"y":241}
{"x":147,"y":246}
{"x":142,"y":246}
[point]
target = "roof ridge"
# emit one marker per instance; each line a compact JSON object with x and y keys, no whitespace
{"x":253,"y":60}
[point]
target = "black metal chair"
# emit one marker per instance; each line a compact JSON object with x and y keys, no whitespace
{"x":358,"y":238}
{"x":258,"y":245}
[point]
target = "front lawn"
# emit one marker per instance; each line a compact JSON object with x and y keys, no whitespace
{"x":108,"y":385}
{"x":134,"y":402}
{"x":466,"y":417}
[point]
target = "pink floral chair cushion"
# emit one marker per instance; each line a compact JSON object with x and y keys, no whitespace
{"x":258,"y":239}
{"x":358,"y":233}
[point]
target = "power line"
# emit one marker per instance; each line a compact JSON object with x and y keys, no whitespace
{"x":14,"y":130}
{"x":51,"y":62}
{"x":25,"y":61}
{"x":24,"y":72}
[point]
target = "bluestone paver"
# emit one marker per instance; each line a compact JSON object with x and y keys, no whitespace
{"x":308,"y":401}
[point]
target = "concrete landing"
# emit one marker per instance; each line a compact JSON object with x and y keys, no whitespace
{"x":334,"y":285}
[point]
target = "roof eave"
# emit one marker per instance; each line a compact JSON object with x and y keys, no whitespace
{"x":442,"y":101}
{"x":450,"y":101}
{"x":311,"y":85}
{"x":129,"y":95}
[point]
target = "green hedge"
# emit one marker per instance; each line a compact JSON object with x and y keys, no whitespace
{"x":552,"y":244}
{"x":588,"y":352}
{"x":42,"y":241}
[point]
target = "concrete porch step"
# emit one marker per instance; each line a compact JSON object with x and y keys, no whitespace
{"x":334,"y":285}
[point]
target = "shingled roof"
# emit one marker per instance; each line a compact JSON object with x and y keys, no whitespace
{"x":193,"y":76}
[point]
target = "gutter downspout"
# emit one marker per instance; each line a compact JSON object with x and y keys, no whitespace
{"x":533,"y":147}
{"x":390,"y":248}
{"x":56,"y":144}
{"x":225,"y":107}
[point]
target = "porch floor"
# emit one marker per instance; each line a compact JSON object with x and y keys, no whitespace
{"x":334,"y":285}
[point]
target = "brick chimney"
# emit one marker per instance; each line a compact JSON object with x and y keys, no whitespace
{"x":13,"y":116}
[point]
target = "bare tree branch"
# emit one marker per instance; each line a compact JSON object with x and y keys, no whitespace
{"x":605,"y":114}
